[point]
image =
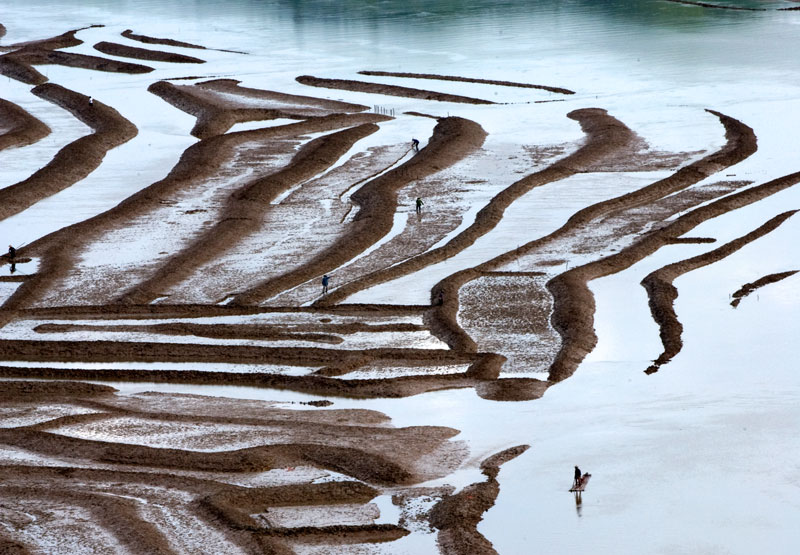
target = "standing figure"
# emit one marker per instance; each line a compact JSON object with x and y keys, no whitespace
{"x":577,"y":481}
{"x":325,"y":280}
{"x":419,"y":205}
{"x":415,"y":145}
{"x":12,"y":252}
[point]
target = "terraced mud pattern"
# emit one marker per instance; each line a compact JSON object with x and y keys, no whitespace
{"x":211,"y":275}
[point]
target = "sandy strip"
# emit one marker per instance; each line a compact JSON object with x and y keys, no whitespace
{"x":605,"y":135}
{"x":662,"y":293}
{"x":481,"y":374}
{"x":302,"y":332}
{"x":466,"y":80}
{"x":161,"y":311}
{"x":255,"y":332}
{"x":217,"y":113}
{"x":748,"y":288}
{"x":18,"y":127}
{"x":453,"y":139}
{"x":213,"y":118}
{"x":232,"y":86}
{"x":390,"y":90}
{"x":128,"y":34}
{"x":18,"y":64}
{"x":76,"y":160}
{"x":64,"y":40}
{"x":124,"y":51}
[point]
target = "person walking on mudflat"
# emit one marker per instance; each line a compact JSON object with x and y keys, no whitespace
{"x":419,"y":205}
{"x":12,"y":252}
{"x":415,"y":145}
{"x":325,"y":280}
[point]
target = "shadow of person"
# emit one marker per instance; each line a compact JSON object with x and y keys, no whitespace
{"x":578,"y":502}
{"x":13,"y":267}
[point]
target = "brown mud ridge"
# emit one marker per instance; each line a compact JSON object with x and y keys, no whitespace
{"x":198,"y":162}
{"x":76,"y":160}
{"x":481,"y":374}
{"x":457,"y":516}
{"x":390,"y":90}
{"x":662,"y":293}
{"x":453,"y":139}
{"x":64,"y":40}
{"x":124,"y":51}
{"x":129,"y":34}
{"x":466,"y":80}
{"x":18,"y":127}
{"x":273,"y":332}
{"x":748,"y":288}
{"x":189,"y":491}
{"x":19,"y":63}
{"x":605,"y":135}
{"x":573,"y":303}
{"x":245,"y":210}
{"x":216,"y":114}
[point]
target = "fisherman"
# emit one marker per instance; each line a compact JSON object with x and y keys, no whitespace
{"x":325,"y":280}
{"x":91,"y":101}
{"x":415,"y":145}
{"x":419,"y":205}
{"x":12,"y":252}
{"x":577,"y":481}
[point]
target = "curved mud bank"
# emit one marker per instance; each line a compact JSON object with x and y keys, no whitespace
{"x":604,"y":135}
{"x":19,"y":64}
{"x":198,"y":162}
{"x":212,"y":118}
{"x":457,"y":516}
{"x":453,"y":139}
{"x":216,"y":113}
{"x":232,"y":86}
{"x":76,"y":160}
{"x":662,"y":293}
{"x":482,"y":374}
{"x":124,"y":51}
{"x":245,"y":210}
{"x":129,"y":34}
{"x":390,"y":90}
{"x":64,"y":40}
{"x":571,"y":285}
{"x":18,"y":127}
{"x":573,"y":309}
{"x":748,"y":288}
{"x":436,"y":77}
{"x":209,"y":498}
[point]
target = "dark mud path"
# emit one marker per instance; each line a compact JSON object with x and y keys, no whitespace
{"x":76,"y":160}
